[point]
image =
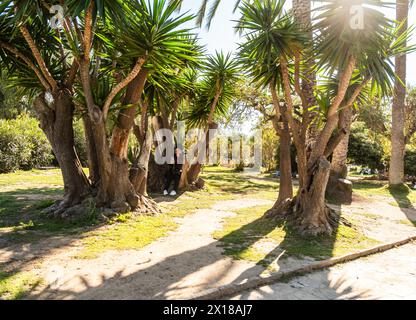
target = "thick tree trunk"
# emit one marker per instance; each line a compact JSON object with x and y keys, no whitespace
{"x":115,"y":190}
{"x":56,"y":122}
{"x":140,"y":170}
{"x":308,"y":211}
{"x":94,"y":171}
{"x":396,"y":173}
{"x":156,"y":177}
{"x":340,"y":189}
{"x":286,"y":186}
{"x":312,"y":215}
{"x":157,"y":172}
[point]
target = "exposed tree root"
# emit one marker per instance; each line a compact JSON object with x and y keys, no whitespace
{"x":307,"y":225}
{"x":87,"y":208}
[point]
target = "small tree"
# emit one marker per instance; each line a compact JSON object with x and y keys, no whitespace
{"x":215,"y":94}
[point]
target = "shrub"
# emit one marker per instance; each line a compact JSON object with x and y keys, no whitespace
{"x":363,"y":150}
{"x":410,"y":163}
{"x":23,"y":145}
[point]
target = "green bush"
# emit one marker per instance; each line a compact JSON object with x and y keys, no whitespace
{"x":363,"y":150}
{"x":23,"y":145}
{"x":410,"y":163}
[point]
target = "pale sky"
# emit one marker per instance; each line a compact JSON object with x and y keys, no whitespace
{"x":221,"y":35}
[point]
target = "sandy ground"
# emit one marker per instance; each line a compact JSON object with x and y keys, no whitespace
{"x":177,"y":266}
{"x":189,"y":260}
{"x":390,"y":275}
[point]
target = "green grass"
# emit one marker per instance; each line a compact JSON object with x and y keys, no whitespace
{"x":402,"y":196}
{"x":17,"y":285}
{"x":34,"y":177}
{"x":132,"y":233}
{"x":23,"y":195}
{"x":226,"y":181}
{"x":243,"y":234}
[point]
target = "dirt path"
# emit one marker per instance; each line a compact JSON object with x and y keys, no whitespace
{"x":389,"y":275}
{"x":185,"y":262}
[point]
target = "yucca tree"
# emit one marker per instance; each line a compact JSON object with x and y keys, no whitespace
{"x":34,"y":56}
{"x":219,"y":74}
{"x":107,"y":45}
{"x":338,"y":50}
{"x":151,"y":38}
{"x":261,"y":57}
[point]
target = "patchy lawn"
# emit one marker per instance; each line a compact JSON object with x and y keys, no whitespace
{"x":16,"y":285}
{"x":401,"y":196}
{"x":23,"y":196}
{"x":248,"y":236}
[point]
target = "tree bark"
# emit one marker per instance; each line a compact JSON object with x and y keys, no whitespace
{"x":157,"y":172}
{"x":286,"y":186}
{"x":312,"y":214}
{"x":285,"y":165}
{"x":94,"y":171}
{"x":396,"y":172}
{"x":56,"y":122}
{"x":115,"y":190}
{"x":338,"y":187}
{"x":125,"y":121}
{"x":140,"y":170}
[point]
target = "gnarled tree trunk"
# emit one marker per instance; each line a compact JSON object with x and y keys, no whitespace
{"x":157,"y":172}
{"x":116,"y":191}
{"x":56,"y":122}
{"x":312,"y":215}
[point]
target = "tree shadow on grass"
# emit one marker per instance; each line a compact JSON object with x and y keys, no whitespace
{"x":197,"y":268}
{"x":26,"y":234}
{"x":401,"y":196}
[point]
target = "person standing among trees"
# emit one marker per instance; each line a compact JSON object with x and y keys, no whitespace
{"x":174,"y":173}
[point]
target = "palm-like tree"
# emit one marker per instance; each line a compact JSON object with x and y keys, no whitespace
{"x":261,"y":56}
{"x":338,"y":50}
{"x":215,"y":93}
{"x":111,"y":45}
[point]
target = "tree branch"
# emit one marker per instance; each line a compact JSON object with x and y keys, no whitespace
{"x":29,"y":63}
{"x":289,"y":102}
{"x":137,"y":68}
{"x":334,"y":142}
{"x":298,"y":88}
{"x":38,"y":58}
{"x":333,"y":117}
